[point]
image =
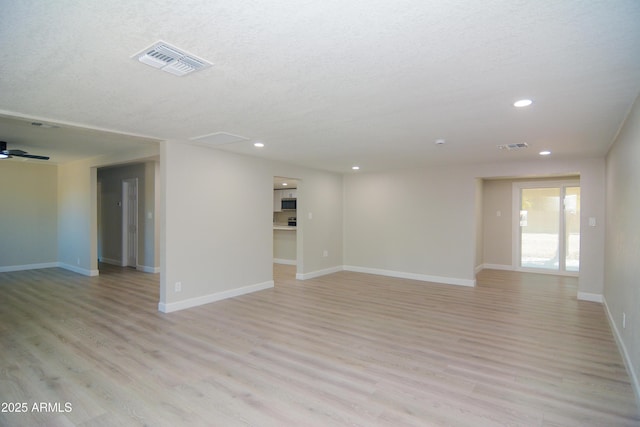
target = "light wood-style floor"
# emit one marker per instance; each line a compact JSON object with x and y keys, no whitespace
{"x":343,"y":349}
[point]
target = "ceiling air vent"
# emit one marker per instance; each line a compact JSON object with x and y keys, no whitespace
{"x":217,"y":138}
{"x":518,"y":146}
{"x":168,"y":58}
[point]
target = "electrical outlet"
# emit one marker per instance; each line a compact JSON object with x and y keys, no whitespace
{"x":78,"y":261}
{"x":325,"y":253}
{"x":624,"y":320}
{"x":178,"y":287}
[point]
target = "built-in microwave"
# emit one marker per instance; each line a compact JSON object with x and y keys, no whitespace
{"x":288,"y":204}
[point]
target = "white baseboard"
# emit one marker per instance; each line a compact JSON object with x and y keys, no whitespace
{"x":585,"y":296}
{"x":318,"y":273}
{"x":497,"y":267}
{"x":285,"y":261}
{"x":69,"y":267}
{"x":147,"y":269}
{"x":79,"y":270}
{"x":413,"y":276}
{"x":29,"y":266}
{"x":623,"y":351}
{"x":206,"y":299}
{"x":111,"y":261}
{"x":144,"y":268}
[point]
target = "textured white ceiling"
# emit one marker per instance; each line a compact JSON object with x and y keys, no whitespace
{"x":328,"y":84}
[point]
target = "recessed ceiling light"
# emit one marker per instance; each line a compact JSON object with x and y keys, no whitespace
{"x":545,"y":153}
{"x":258,"y":144}
{"x":440,"y":141}
{"x":355,"y":168}
{"x":522,"y":103}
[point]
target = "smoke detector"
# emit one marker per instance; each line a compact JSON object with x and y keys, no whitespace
{"x":169,"y":58}
{"x":510,"y":147}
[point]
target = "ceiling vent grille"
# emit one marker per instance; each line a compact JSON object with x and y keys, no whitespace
{"x":510,"y":147}
{"x":217,"y":138}
{"x":168,"y":58}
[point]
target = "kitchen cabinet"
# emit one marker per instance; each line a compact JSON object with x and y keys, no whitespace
{"x":277,"y":200}
{"x":289,"y":193}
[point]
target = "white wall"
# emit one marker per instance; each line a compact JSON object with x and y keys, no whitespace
{"x":29,"y":215}
{"x":412,"y":223}
{"x":422,"y":223}
{"x":497,"y":195}
{"x":217,"y":213}
{"x":150,"y":260}
{"x":622,"y":248}
{"x":320,"y":220}
{"x":479,"y":229}
{"x":217,"y":224}
{"x":77,"y":217}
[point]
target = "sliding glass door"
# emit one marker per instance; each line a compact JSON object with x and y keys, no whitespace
{"x":548,"y":226}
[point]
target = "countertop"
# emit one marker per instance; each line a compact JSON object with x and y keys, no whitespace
{"x":284,"y":227}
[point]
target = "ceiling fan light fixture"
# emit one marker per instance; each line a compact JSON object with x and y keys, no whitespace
{"x":5,"y":153}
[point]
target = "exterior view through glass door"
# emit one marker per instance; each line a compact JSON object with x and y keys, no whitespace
{"x":549,"y":226}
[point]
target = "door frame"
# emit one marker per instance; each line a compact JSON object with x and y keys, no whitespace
{"x":127,"y":223}
{"x":517,"y":188}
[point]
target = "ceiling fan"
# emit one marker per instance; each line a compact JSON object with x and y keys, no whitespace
{"x":4,"y":153}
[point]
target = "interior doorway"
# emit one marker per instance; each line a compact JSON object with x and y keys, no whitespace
{"x":287,"y":230}
{"x":547,"y":226}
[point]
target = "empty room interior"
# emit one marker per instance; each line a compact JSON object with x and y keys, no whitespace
{"x":320,"y":213}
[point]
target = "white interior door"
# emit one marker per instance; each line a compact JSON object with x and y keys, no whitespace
{"x":130,"y":222}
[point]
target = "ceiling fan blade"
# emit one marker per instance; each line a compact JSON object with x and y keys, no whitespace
{"x":28,"y":156}
{"x":18,"y":153}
